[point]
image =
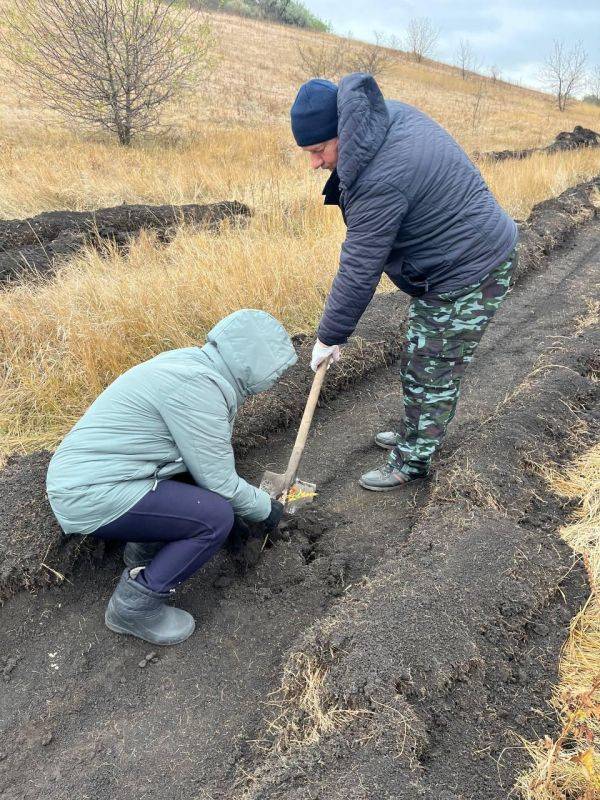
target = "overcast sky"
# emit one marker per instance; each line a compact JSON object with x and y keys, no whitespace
{"x":516,"y":35}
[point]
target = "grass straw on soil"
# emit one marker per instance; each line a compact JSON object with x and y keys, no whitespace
{"x":568,"y":766}
{"x":306,"y":711}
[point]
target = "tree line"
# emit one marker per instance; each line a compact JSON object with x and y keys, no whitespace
{"x":288,"y":12}
{"x":564,"y":72}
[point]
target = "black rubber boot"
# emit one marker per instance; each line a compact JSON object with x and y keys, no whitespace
{"x":135,"y":610}
{"x":140,"y":554}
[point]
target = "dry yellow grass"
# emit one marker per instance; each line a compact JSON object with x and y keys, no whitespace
{"x":218,"y":140}
{"x":262,"y":167}
{"x":64,"y":341}
{"x":568,"y":767}
{"x":306,"y":712}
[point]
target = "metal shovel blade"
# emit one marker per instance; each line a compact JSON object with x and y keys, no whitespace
{"x":297,"y":495}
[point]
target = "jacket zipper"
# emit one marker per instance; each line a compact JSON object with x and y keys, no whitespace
{"x":158,"y":469}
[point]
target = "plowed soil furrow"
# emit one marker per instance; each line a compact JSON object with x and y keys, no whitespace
{"x":79,"y":718}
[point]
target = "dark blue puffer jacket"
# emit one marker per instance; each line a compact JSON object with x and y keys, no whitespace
{"x":414,"y":204}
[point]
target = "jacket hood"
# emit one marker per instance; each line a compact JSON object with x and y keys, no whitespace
{"x":363,"y":121}
{"x":252,"y":349}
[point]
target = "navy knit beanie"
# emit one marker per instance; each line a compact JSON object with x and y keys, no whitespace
{"x":314,"y":113}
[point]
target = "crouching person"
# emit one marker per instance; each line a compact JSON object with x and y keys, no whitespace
{"x":118,"y":473}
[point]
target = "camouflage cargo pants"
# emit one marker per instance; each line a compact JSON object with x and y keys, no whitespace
{"x":443,"y":333}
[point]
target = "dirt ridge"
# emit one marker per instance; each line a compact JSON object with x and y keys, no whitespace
{"x":425,"y":659}
{"x":30,"y":248}
{"x":565,"y":140}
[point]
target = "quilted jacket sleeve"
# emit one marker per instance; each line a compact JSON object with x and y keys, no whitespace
{"x":374,"y":213}
{"x":198,"y":419}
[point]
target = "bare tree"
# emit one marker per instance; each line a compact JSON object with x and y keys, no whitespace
{"x":495,"y":73}
{"x":325,"y":58}
{"x":328,"y":58}
{"x":112,"y":64}
{"x":478,"y":107}
{"x":376,"y":59}
{"x":564,"y":71}
{"x":465,"y":58}
{"x":421,"y":38}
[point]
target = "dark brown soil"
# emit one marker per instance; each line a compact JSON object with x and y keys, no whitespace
{"x":565,"y":140}
{"x":436,"y":614}
{"x":30,"y":248}
{"x":445,"y":655}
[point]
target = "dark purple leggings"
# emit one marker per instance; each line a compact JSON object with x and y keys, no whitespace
{"x":193,"y":522}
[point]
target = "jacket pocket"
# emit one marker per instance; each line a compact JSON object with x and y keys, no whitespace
{"x":404,"y":275}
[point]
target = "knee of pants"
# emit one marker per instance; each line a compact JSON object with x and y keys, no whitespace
{"x":435,"y":364}
{"x":220,"y":518}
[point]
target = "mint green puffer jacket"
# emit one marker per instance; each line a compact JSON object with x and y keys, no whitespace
{"x":171,"y":414}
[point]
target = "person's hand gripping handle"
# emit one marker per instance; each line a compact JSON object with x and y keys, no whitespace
{"x":324,"y":351}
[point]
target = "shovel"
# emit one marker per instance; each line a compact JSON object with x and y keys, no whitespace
{"x":285,"y":487}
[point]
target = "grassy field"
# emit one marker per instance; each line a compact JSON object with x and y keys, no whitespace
{"x":64,"y":341}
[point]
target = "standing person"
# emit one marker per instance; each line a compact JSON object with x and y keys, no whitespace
{"x":114,"y":476}
{"x":417,"y":209}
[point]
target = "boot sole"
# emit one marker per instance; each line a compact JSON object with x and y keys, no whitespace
{"x":389,"y":488}
{"x":383,"y":488}
{"x":120,"y":629}
{"x":384,"y":446}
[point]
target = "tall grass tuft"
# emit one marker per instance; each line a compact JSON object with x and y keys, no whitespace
{"x":568,"y":766}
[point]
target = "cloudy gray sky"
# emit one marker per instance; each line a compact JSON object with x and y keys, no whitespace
{"x":516,"y":35}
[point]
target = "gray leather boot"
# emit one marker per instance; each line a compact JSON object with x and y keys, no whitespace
{"x":140,"y":554}
{"x":383,"y":479}
{"x":140,"y":612}
{"x":386,"y":439}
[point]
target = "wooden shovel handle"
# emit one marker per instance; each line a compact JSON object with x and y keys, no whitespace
{"x":302,"y":435}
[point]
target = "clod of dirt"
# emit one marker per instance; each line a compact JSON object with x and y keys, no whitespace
{"x":46,"y":738}
{"x":30,"y":246}
{"x":264,"y":594}
{"x":8,"y":667}
{"x":565,"y":140}
{"x":224,"y":579}
{"x":589,"y":366}
{"x":151,"y":658}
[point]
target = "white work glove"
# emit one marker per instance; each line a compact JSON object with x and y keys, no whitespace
{"x":321,"y":352}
